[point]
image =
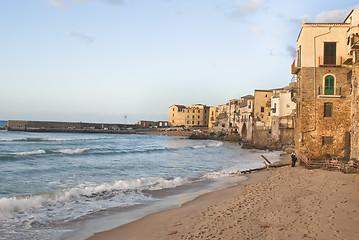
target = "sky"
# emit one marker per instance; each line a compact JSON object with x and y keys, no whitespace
{"x":127,"y":60}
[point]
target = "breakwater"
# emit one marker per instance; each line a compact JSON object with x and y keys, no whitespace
{"x":79,"y":127}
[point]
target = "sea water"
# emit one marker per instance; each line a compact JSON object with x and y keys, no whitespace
{"x":52,"y":184}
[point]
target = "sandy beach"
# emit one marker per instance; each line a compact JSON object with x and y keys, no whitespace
{"x":282,"y":203}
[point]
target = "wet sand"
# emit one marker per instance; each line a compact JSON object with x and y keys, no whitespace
{"x":282,"y":203}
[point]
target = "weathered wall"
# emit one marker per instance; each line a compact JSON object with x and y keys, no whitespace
{"x":312,"y":126}
{"x":355,"y":113}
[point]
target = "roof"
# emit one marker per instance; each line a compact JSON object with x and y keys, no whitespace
{"x":179,"y":106}
{"x":348,"y":16}
{"x":248,"y":97}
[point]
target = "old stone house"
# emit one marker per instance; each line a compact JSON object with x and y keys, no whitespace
{"x":324,"y":88}
{"x":194,"y":116}
{"x":262,"y":107}
{"x":246,"y":118}
{"x":221,"y":119}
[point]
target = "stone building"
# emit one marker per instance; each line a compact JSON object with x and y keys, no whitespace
{"x":262,"y":107}
{"x":194,"y":116}
{"x":323,"y":92}
{"x":213,"y":113}
{"x":221,"y":120}
{"x":245,"y":124}
{"x":233,"y":115}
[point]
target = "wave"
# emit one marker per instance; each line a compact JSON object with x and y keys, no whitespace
{"x":71,"y":151}
{"x":50,"y":151}
{"x":35,"y":152}
{"x":209,"y":145}
{"x":84,"y":199}
{"x":45,"y":139}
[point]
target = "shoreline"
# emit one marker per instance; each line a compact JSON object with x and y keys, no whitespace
{"x":281,"y":203}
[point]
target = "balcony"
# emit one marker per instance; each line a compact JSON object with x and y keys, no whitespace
{"x":295,"y":69}
{"x":348,"y":60}
{"x":330,"y":61}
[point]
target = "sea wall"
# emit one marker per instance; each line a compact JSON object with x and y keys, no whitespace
{"x":22,"y":125}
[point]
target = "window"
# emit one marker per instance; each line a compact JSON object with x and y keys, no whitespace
{"x":330,"y":49}
{"x":328,"y":109}
{"x":187,"y":116}
{"x":173,"y":115}
{"x":187,"y":122}
{"x":193,"y":111}
{"x":199,"y":111}
{"x":327,"y":140}
{"x":173,"y":109}
{"x":192,"y":116}
{"x":199,"y":117}
{"x":192,"y":122}
{"x":173,"y":121}
{"x":262,"y":109}
{"x":198,"y":122}
{"x":329,"y":85}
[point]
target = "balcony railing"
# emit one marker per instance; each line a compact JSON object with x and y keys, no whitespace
{"x":294,"y":69}
{"x":330,"y":61}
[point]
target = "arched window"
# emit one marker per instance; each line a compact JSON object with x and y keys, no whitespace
{"x":329,"y":83}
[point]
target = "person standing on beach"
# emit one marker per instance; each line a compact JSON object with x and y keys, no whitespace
{"x":294,"y":159}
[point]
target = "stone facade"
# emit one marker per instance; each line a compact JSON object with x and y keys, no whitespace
{"x":262,"y":107}
{"x":221,"y":121}
{"x":233,"y":115}
{"x":246,"y":118}
{"x":317,"y":135}
{"x":355,"y":111}
{"x":193,"y":116}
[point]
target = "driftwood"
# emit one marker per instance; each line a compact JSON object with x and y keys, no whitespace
{"x":266,"y":159}
{"x":273,"y":165}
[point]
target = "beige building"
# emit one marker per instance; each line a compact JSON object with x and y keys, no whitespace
{"x":194,"y":116}
{"x":324,"y":94}
{"x":262,"y":107}
{"x":213,"y":113}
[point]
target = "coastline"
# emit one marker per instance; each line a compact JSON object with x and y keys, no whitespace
{"x":281,"y":203}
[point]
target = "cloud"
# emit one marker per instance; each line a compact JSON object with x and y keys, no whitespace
{"x":186,"y":9}
{"x":82,"y":35}
{"x":258,"y":31}
{"x":299,"y":19}
{"x":335,"y":16}
{"x":57,"y":3}
{"x":292,"y":52}
{"x":246,"y":8}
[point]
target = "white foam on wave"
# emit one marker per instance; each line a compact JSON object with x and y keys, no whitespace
{"x":71,"y":151}
{"x":83,"y":199}
{"x":213,"y":144}
{"x":35,"y":152}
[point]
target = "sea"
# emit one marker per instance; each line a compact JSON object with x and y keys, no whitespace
{"x":71,"y":185}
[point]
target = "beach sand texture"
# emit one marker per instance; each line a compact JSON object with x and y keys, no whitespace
{"x":282,"y":203}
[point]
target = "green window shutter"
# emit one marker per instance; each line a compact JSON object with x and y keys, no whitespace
{"x":329,"y":85}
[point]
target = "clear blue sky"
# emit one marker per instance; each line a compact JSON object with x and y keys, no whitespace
{"x":98,"y":60}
